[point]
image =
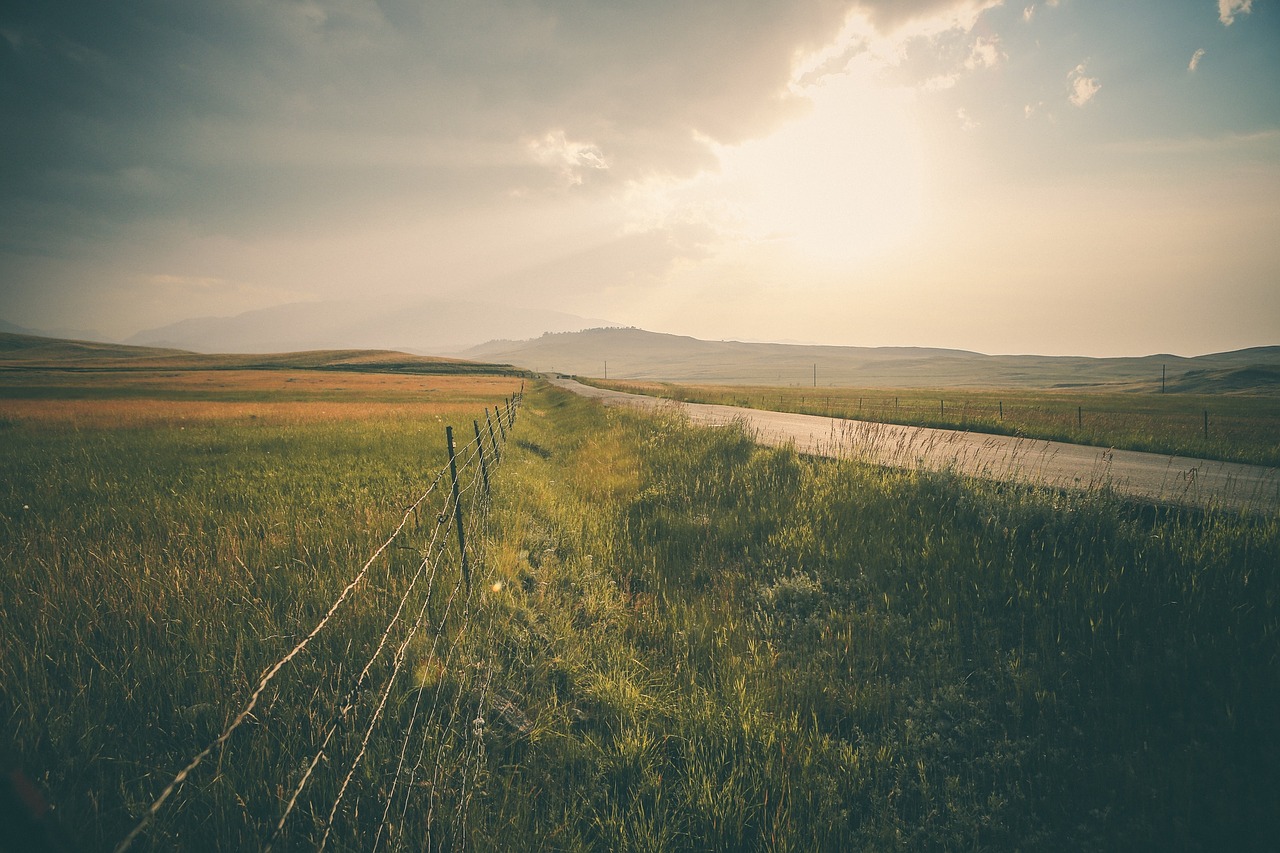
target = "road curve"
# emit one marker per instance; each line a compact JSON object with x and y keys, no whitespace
{"x":1148,"y":476}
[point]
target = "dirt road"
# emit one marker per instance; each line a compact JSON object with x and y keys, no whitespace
{"x":1149,"y":476}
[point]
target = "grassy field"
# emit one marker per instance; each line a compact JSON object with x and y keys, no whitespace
{"x":1240,"y":428}
{"x":675,"y":640}
{"x":162,"y":547}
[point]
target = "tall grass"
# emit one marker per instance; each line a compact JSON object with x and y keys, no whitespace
{"x":676,"y":641}
{"x":154,"y":570}
{"x":761,"y":651}
{"x":1239,"y":428}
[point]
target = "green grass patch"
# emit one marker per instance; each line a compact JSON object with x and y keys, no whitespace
{"x":734,"y":648}
{"x":676,"y":641}
{"x":1236,"y":428}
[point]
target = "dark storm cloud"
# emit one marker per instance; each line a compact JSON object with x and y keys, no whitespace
{"x":235,"y":115}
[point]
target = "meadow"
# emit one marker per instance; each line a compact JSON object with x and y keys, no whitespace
{"x":674,"y":640}
{"x":1230,"y":427}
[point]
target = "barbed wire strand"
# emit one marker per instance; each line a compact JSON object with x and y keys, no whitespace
{"x":471,"y":489}
{"x":442,"y":745}
{"x":437,"y":545}
{"x":474,"y":449}
{"x":404,"y":746}
{"x":266,"y":678}
{"x":397,"y":666}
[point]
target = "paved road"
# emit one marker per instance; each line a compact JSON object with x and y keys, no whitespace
{"x":1150,"y":476}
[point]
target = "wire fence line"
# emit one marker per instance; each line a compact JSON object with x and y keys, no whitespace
{"x":467,"y":473}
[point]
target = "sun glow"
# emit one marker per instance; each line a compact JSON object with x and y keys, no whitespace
{"x":838,"y":185}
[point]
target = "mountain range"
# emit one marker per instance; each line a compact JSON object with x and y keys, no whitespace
{"x":565,"y":344}
{"x":430,"y":327}
{"x":628,"y":353}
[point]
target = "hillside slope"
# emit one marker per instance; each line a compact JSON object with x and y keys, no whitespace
{"x":638,"y":354}
{"x":28,"y":352}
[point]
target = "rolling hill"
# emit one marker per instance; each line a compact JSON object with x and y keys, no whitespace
{"x":28,"y":352}
{"x":637,"y":354}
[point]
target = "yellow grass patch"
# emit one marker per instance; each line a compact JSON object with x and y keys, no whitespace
{"x":100,"y":400}
{"x":136,"y":413}
{"x":292,"y":382}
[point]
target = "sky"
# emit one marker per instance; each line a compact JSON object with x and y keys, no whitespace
{"x":1074,"y":177}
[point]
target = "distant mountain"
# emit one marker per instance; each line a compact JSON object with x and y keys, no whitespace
{"x":427,"y":326}
{"x":61,"y":334}
{"x":638,"y":354}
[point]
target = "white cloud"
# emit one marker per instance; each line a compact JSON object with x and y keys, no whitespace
{"x":966,"y":121}
{"x":1029,"y":13}
{"x":986,"y":54}
{"x":1228,"y":9}
{"x":1195,"y":60}
{"x":571,"y":160}
{"x":1083,"y":87}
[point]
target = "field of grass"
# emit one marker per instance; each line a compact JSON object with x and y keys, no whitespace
{"x":159,"y":553}
{"x":1239,"y":428}
{"x":676,"y":640}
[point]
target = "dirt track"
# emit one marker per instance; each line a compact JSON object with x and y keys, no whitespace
{"x":1149,"y":476}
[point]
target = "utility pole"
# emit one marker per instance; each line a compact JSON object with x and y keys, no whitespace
{"x":606,"y":368}
{"x":1162,"y":379}
{"x":815,"y":375}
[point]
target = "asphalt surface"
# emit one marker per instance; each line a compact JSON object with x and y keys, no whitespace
{"x":1147,"y":476}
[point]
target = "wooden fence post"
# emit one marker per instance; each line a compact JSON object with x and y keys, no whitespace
{"x":497,"y":455}
{"x":457,"y":507}
{"x":484,"y":469}
{"x":497,"y":413}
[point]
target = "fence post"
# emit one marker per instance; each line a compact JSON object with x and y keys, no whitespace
{"x":484,"y":469}
{"x":1002,"y":410}
{"x":1206,"y":424}
{"x":497,"y":413}
{"x":497,"y":456}
{"x":1080,"y":417}
{"x":457,"y":507}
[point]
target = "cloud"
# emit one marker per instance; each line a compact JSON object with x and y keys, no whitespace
{"x":891,"y":15}
{"x":986,"y":54}
{"x":1083,"y":87}
{"x":247,"y":114}
{"x":1228,"y":9}
{"x":1195,"y":60}
{"x":256,"y":128}
{"x":570,"y":160}
{"x":219,"y":102}
{"x":1028,"y":13}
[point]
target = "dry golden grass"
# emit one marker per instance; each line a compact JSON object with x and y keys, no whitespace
{"x":97,"y":414}
{"x":292,"y":382}
{"x":80,"y":400}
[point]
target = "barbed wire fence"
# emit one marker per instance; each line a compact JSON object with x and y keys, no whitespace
{"x":436,"y":612}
